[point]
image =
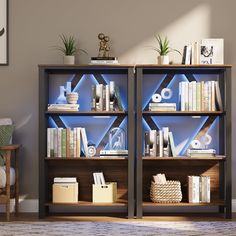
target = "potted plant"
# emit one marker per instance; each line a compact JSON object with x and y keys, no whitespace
{"x":69,"y":49}
{"x":163,"y":49}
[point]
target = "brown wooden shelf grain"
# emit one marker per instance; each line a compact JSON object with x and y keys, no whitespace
{"x":186,"y":204}
{"x":88,"y":113}
{"x":183,"y":113}
{"x":108,"y":158}
{"x":119,"y":202}
{"x":185,"y":158}
{"x":192,"y":66}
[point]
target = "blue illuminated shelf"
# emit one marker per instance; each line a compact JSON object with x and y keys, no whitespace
{"x":185,"y":158}
{"x":183,"y":113}
{"x":89,"y":113}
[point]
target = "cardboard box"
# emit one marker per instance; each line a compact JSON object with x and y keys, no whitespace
{"x":65,"y":192}
{"x":105,"y":193}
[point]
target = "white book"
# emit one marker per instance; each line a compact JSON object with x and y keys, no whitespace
{"x":99,"y":97}
{"x":59,"y":130}
{"x":153,"y":143}
{"x":190,"y":189}
{"x":161,"y":143}
{"x":193,"y":54}
{"x":213,"y":96}
{"x":206,"y":97}
{"x":107,"y":99}
{"x":52,"y":142}
{"x":55,"y":131}
{"x":186,"y":88}
{"x":208,"y":183}
{"x":71,"y":143}
{"x":188,"y":55}
{"x":196,"y":53}
{"x":190,"y":96}
{"x":166,"y":141}
{"x":181,"y":96}
{"x":84,"y":141}
{"x":194,"y":87}
{"x":74,"y":142}
{"x":95,"y":179}
{"x":196,"y":180}
{"x":210,"y":96}
{"x":48,"y":142}
{"x":102,"y":178}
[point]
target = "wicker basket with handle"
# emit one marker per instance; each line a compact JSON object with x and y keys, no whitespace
{"x":169,"y":192}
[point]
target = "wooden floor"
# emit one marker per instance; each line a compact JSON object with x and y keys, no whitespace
{"x":29,"y":217}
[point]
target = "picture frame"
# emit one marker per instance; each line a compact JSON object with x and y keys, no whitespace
{"x":4,"y":54}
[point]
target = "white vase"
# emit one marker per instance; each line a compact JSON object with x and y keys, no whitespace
{"x":69,"y":60}
{"x":163,"y":60}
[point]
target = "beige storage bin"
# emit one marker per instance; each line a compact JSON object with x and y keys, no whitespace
{"x":65,"y":192}
{"x":105,"y":193}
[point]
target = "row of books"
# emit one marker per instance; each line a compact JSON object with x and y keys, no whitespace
{"x":106,"y":97}
{"x":200,"y":96}
{"x":199,"y":188}
{"x":209,"y":51}
{"x":66,"y":143}
{"x":159,"y":143}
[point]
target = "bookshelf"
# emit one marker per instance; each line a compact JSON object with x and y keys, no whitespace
{"x":185,"y":125}
{"x":97,"y":124}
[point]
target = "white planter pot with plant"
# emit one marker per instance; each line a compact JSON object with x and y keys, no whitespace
{"x":163,"y":49}
{"x":69,"y":49}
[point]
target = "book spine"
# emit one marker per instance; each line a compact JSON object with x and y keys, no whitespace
{"x":112,"y":95}
{"x":55,"y":133}
{"x":182,"y":96}
{"x":206,"y":97}
{"x":75,"y":142}
{"x":190,"y":189}
{"x":202,"y":96}
{"x":190,"y":96}
{"x":198,"y":97}
{"x":107,"y":98}
{"x":161,"y":143}
{"x":118,"y":98}
{"x":208,"y":183}
{"x":48,"y":142}
{"x":59,"y":142}
{"x":63,"y":143}
{"x":194,"y":95}
{"x":153,"y":143}
{"x":210,"y":96}
{"x":213,"y":97}
{"x":71,"y":143}
{"x":68,"y":130}
{"x":186,"y":96}
{"x":78,"y":143}
{"x":146,"y":144}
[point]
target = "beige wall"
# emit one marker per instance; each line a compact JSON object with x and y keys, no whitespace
{"x":35,"y":25}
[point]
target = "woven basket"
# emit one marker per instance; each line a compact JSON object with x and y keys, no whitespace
{"x":166,"y":193}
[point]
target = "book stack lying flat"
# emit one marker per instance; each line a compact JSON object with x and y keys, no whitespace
{"x":162,"y":106}
{"x":201,"y":152}
{"x":63,"y":107}
{"x":113,"y":153}
{"x":104,"y":60}
{"x":199,"y":189}
{"x":159,"y":143}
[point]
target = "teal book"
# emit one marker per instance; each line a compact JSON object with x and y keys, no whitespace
{"x":63,"y":143}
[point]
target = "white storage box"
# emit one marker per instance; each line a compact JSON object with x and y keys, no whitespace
{"x":65,"y":192}
{"x":105,"y":193}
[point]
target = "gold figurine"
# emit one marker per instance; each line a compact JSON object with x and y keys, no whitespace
{"x":104,"y":48}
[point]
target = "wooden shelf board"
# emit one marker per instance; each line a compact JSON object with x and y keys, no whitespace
{"x":193,"y":66}
{"x":185,"y":158}
{"x":86,"y":158}
{"x":89,"y":113}
{"x":87,"y":203}
{"x":186,"y":204}
{"x":183,"y":113}
{"x":87,"y":66}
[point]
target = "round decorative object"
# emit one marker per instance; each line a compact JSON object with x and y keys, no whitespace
{"x":91,"y":151}
{"x":195,"y":144}
{"x":72,"y":98}
{"x":208,"y":139}
{"x":156,"y":97}
{"x":166,"y":93}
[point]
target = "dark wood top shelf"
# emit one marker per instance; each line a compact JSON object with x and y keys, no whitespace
{"x":88,"y":113}
{"x":186,"y":204}
{"x":152,"y":66}
{"x":119,"y":202}
{"x":108,"y":158}
{"x":185,"y":158}
{"x":183,"y":113}
{"x":86,"y":66}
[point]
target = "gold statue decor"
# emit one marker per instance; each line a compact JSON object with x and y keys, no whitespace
{"x":104,"y":47}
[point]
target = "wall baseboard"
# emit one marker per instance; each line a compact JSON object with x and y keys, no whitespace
{"x":31,"y":205}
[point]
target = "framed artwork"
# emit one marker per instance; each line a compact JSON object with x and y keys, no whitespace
{"x":3,"y":32}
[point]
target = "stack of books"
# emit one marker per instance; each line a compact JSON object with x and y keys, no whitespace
{"x":159,"y":143}
{"x":201,"y":152}
{"x":66,"y":143}
{"x":162,"y":106}
{"x":63,"y":107}
{"x":106,"y":97}
{"x":104,"y":60}
{"x":113,"y":153}
{"x":200,"y":96}
{"x":199,"y":189}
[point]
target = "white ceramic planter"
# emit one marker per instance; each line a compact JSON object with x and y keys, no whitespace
{"x":69,"y":60}
{"x":163,"y":60}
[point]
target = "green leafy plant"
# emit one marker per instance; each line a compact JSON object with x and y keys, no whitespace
{"x":69,"y":47}
{"x":163,"y":46}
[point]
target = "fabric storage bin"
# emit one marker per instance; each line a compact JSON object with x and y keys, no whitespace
{"x":65,"y":193}
{"x":105,"y":193}
{"x":166,"y":193}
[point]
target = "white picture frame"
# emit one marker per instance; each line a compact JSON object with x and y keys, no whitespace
{"x":3,"y":32}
